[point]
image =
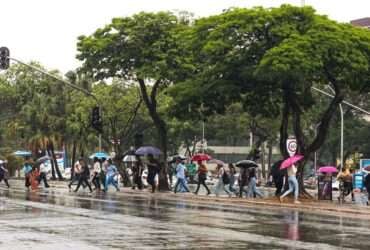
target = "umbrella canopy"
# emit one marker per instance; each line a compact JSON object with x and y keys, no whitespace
{"x":129,"y":158}
{"x":99,"y":155}
{"x":218,"y":162}
{"x":44,"y":158}
{"x":290,"y":161}
{"x":201,"y":157}
{"x":146,"y":150}
{"x":2,"y":162}
{"x":22,"y":153}
{"x":328,"y":169}
{"x":246,"y":164}
{"x":367,"y":168}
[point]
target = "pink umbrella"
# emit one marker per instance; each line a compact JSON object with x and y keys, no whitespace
{"x":290,"y":161}
{"x":328,"y":169}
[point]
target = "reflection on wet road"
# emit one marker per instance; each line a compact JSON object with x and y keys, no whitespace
{"x":57,"y":219}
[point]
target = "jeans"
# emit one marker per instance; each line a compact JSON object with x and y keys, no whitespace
{"x":220,"y":185}
{"x":231,"y":185}
{"x":109,"y":179}
{"x":181,"y":181}
{"x":293,"y":186}
{"x":252,"y":188}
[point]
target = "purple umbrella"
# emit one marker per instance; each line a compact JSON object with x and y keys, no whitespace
{"x":328,"y":169}
{"x":147,"y":150}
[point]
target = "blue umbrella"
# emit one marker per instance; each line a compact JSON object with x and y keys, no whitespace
{"x":22,"y":153}
{"x":146,"y":150}
{"x":99,"y":155}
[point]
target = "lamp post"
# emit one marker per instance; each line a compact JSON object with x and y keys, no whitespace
{"x":342,"y":120}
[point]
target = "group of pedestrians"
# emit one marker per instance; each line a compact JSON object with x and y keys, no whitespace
{"x":225,"y":180}
{"x":104,"y":174}
{"x":35,"y":174}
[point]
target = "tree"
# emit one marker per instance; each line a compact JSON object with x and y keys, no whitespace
{"x":143,"y":49}
{"x":275,"y":56}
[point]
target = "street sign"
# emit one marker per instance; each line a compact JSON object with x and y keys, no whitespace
{"x":291,"y":145}
{"x":364,"y":163}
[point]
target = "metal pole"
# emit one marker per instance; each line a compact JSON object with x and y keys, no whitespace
{"x":341,"y":136}
{"x":203,"y":137}
{"x":344,"y":102}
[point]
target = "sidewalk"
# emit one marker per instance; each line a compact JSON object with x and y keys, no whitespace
{"x":347,"y":209}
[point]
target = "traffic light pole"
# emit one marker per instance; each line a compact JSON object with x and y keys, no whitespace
{"x":69,"y":85}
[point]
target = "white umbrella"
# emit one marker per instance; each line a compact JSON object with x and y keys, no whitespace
{"x":129,"y":158}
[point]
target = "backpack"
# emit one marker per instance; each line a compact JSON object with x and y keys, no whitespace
{"x":225,"y":178}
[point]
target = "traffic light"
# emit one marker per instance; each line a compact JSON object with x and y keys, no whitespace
{"x":96,"y":121}
{"x":4,"y":58}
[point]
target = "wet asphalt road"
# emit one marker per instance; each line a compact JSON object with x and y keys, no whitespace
{"x":57,"y":219}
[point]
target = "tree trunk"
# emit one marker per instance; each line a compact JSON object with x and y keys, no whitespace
{"x":269,"y":161}
{"x":52,"y":164}
{"x":74,"y":149}
{"x":159,"y":123}
{"x":60,"y":177}
{"x":263,"y":160}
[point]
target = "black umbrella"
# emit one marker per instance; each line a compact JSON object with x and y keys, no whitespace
{"x":246,"y":164}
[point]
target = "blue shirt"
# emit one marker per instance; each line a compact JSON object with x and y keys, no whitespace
{"x":27,"y":168}
{"x":111,"y":170}
{"x":180,"y":171}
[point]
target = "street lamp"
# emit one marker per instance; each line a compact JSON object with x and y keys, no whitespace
{"x":342,"y":120}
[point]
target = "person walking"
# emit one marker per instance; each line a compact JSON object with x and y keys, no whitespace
{"x":202,"y":177}
{"x":77,"y":169}
{"x":278,"y":177}
{"x":153,"y":170}
{"x":84,"y":176}
{"x":232,"y":173}
{"x":223,"y":180}
{"x":293,"y":184}
{"x":27,"y":169}
{"x":367,"y":185}
{"x":137,"y":171}
{"x":96,"y":173}
{"x":43,"y":174}
{"x":4,"y":174}
{"x":252,"y":185}
{"x":111,"y":173}
{"x":180,"y":174}
{"x":243,"y":181}
{"x":103,"y":171}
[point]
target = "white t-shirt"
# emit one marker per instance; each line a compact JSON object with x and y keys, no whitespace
{"x":43,"y":168}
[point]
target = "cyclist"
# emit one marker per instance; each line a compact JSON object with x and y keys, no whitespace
{"x":346,"y":179}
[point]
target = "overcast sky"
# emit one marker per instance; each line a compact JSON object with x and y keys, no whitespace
{"x":47,"y":30}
